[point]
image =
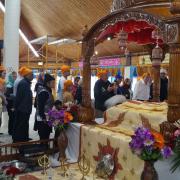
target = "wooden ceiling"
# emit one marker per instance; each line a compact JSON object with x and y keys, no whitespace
{"x":66,"y":19}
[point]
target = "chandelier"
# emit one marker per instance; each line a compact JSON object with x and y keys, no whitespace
{"x":122,"y":40}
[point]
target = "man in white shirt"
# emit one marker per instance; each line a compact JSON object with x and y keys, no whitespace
{"x":142,"y":88}
{"x":65,"y":70}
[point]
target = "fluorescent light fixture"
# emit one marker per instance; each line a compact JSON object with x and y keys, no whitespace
{"x":62,"y":41}
{"x":44,"y":39}
{"x":22,"y":34}
{"x":28,"y":43}
{"x":2,"y":7}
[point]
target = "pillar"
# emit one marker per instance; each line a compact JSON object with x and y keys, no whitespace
{"x":167,"y":128}
{"x":11,"y":34}
{"x":86,"y":111}
{"x":174,"y":84}
{"x":156,"y":58}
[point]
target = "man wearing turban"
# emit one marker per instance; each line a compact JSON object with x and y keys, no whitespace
{"x":103,"y":90}
{"x":65,"y":70}
{"x":18,"y":79}
{"x":23,"y":107}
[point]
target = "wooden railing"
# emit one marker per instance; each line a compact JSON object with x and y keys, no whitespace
{"x":11,"y":151}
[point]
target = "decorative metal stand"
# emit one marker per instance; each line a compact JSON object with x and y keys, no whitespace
{"x":64,"y":166}
{"x":84,"y":166}
{"x":44,"y":162}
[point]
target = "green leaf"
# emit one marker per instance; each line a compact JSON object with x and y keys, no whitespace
{"x":176,"y":163}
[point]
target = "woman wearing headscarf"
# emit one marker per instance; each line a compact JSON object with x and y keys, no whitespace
{"x":44,"y":103}
{"x":10,"y":100}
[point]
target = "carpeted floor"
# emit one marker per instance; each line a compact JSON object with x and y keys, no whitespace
{"x":6,"y":138}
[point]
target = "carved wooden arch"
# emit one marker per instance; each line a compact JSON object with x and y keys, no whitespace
{"x":123,"y":15}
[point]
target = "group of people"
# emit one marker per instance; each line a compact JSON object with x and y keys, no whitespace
{"x":104,"y":90}
{"x":16,"y":97}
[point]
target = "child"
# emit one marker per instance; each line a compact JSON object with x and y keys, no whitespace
{"x":57,"y":105}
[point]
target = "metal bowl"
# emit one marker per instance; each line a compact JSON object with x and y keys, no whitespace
{"x":105,"y":166}
{"x":19,"y":165}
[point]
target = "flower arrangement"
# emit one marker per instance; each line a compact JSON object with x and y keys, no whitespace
{"x":176,"y":149}
{"x":59,"y":119}
{"x":149,"y":145}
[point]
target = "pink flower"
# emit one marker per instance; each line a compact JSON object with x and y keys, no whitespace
{"x":177,"y":133}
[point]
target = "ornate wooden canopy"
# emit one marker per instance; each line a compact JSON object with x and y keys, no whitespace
{"x":170,"y":29}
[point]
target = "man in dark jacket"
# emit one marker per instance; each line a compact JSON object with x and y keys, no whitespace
{"x":103,"y":90}
{"x":164,"y":85}
{"x":44,"y":103}
{"x":23,"y":107}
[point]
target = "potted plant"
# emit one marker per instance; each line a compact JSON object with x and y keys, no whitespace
{"x":149,"y":146}
{"x":59,"y":119}
{"x":176,"y":150}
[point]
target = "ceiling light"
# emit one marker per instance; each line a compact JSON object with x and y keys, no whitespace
{"x":109,"y":38}
{"x":96,"y":52}
{"x":62,"y":41}
{"x":22,"y":34}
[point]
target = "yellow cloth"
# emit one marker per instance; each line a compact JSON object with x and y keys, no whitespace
{"x":73,"y":174}
{"x":134,"y":114}
{"x":132,"y":166}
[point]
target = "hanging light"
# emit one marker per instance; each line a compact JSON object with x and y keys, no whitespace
{"x":157,"y":55}
{"x":157,"y":52}
{"x":122,"y":39}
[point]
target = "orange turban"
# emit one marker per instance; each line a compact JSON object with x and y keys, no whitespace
{"x":25,"y":71}
{"x":102,"y":72}
{"x":65,"y":68}
{"x":21,"y":70}
{"x":146,"y":75}
{"x":67,"y":84}
{"x":2,"y":68}
{"x":2,"y":81}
